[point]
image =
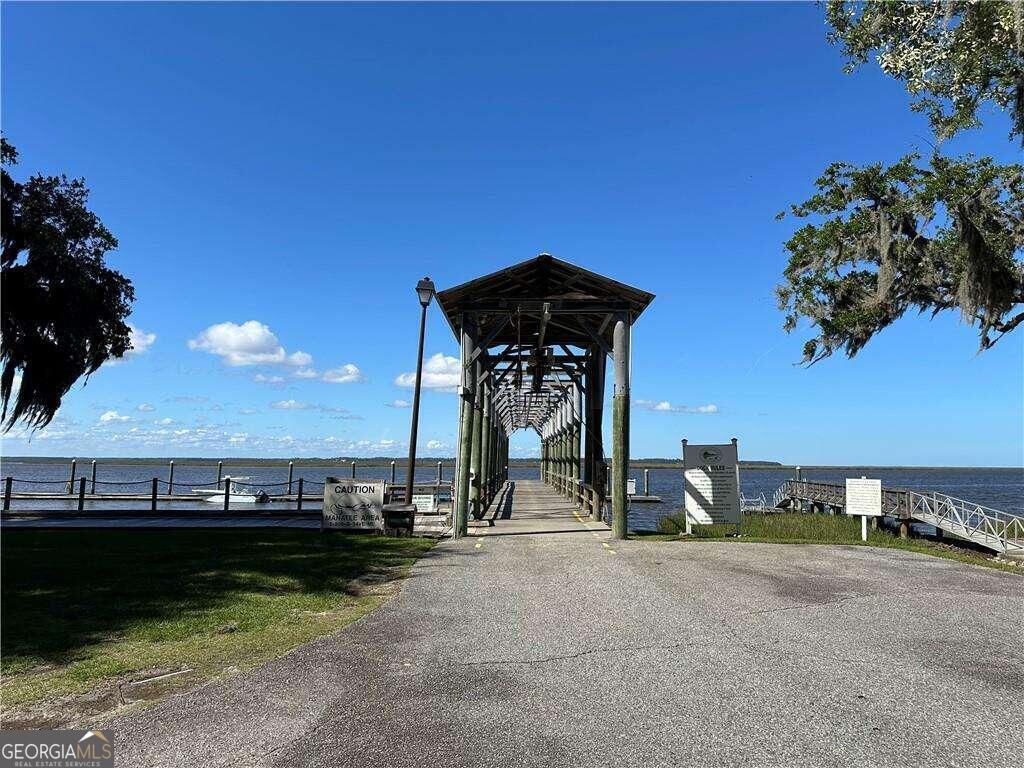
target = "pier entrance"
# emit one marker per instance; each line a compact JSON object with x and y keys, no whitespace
{"x":535,"y":341}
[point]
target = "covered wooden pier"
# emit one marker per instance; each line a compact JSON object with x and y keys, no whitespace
{"x":535,"y":339}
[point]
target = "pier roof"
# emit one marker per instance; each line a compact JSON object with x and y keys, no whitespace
{"x":569,"y":304}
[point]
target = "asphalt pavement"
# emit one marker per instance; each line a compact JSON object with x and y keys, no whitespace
{"x":540,"y":641}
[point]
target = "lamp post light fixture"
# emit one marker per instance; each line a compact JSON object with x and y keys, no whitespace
{"x":425,"y":292}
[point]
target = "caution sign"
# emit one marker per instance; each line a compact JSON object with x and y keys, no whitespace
{"x":353,"y":505}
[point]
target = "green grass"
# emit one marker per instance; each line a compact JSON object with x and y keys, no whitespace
{"x":87,"y":608}
{"x":817,"y":529}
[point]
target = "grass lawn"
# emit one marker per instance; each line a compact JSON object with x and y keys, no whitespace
{"x":789,"y":528}
{"x":90,"y":617}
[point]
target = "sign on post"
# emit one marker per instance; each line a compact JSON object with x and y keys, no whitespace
{"x":711,"y":483}
{"x":863,"y":498}
{"x":631,"y":486}
{"x":353,"y":505}
{"x":426,"y":503}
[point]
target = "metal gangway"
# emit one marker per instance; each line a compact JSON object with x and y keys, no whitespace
{"x":993,"y":529}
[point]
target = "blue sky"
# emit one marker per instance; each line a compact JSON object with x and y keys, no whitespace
{"x":279,"y":177}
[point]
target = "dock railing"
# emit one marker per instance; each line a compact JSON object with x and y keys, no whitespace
{"x":991,"y":528}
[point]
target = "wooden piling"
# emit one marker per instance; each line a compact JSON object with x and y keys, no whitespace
{"x":93,"y":486}
{"x":291,"y":472}
{"x":220,"y":472}
{"x":298,"y":498}
{"x":170,"y":478}
{"x":227,"y":493}
{"x":620,"y":429}
{"x":393,"y":478}
{"x":7,"y":493}
{"x":81,"y":494}
{"x":152,"y":495}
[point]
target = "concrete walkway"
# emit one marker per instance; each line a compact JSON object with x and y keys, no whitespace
{"x":540,"y":642}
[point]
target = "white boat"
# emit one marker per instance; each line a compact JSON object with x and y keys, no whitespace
{"x":240,"y":494}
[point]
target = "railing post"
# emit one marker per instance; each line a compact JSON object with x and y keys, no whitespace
{"x":81,"y":494}
{"x":93,"y":476}
{"x":152,"y":495}
{"x":392,"y":471}
{"x":71,"y":479}
{"x":439,"y":479}
{"x":647,"y":482}
{"x":298,"y":499}
{"x":227,"y":493}
{"x":353,"y":469}
{"x":170,"y":478}
{"x":220,"y":471}
{"x":291,"y":470}
{"x":7,"y":492}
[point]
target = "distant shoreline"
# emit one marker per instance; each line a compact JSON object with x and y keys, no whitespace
{"x":448,"y":461}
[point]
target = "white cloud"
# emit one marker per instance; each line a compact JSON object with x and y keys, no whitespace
{"x":290,"y":405}
{"x":664,"y":406}
{"x":164,"y":421}
{"x":140,"y":341}
{"x":277,"y":382}
{"x":110,"y":416}
{"x":435,"y":445}
{"x":343,"y":374}
{"x":145,"y":407}
{"x":306,"y":373}
{"x":440,"y":372}
{"x":399,"y":404}
{"x":251,"y":343}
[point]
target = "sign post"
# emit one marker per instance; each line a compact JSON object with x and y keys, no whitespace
{"x":711,"y":483}
{"x":352,"y":505}
{"x":864,"y":499}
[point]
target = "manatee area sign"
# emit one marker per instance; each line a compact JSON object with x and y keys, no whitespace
{"x":711,"y":483}
{"x":353,"y":505}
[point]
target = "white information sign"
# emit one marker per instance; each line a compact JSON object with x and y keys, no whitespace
{"x":863,"y":497}
{"x":631,"y":486}
{"x":426,"y":503}
{"x":711,"y":483}
{"x":353,"y":505}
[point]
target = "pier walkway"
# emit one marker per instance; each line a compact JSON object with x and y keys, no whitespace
{"x":540,"y":640}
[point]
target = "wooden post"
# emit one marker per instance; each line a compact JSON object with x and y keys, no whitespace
{"x":647,"y":482}
{"x":620,"y":429}
{"x":291,"y":473}
{"x":170,"y":478}
{"x":407,"y":501}
{"x":577,"y":437}
{"x":440,"y":474}
{"x":152,"y":495}
{"x":466,"y":395}
{"x":474,"y":454}
{"x":81,"y":494}
{"x":594,"y":464}
{"x":93,"y":476}
{"x":485,"y":442}
{"x":71,"y":481}
{"x":227,"y":493}
{"x":220,"y":471}
{"x":7,"y":492}
{"x":298,"y":498}
{"x":353,"y":469}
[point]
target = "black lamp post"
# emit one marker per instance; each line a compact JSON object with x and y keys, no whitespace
{"x":425,"y":292}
